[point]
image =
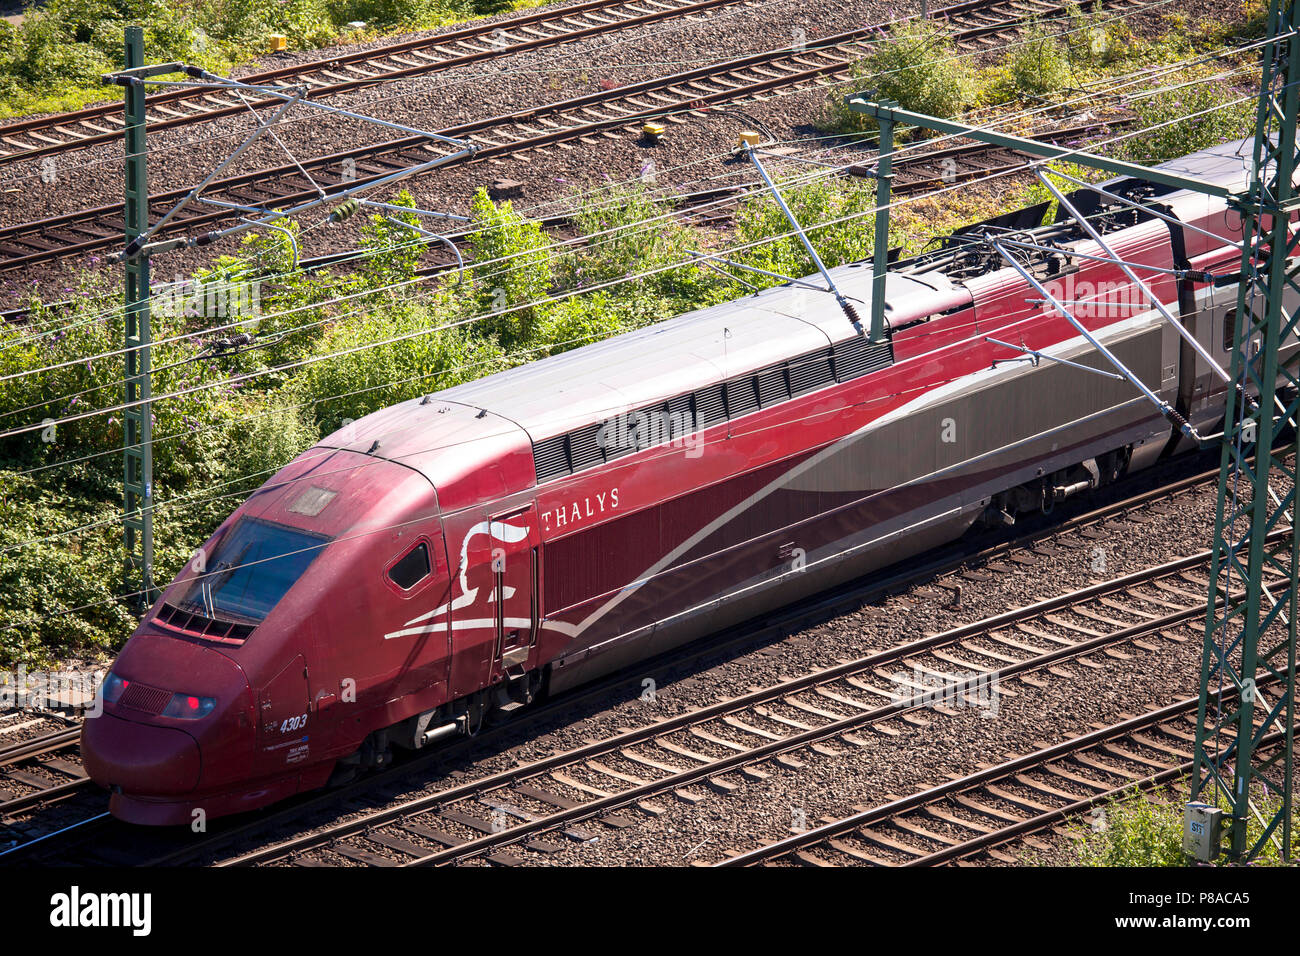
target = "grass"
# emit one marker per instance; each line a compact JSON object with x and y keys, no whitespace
{"x":1054,"y":62}
{"x":1140,"y":830}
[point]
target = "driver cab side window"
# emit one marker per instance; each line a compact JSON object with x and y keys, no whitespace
{"x":412,"y":568}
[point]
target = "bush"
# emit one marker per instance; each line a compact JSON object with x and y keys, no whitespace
{"x":265,"y":438}
{"x":1038,"y":64}
{"x":513,"y":268}
{"x":391,"y":13}
{"x":1087,"y":38}
{"x":812,"y":204}
{"x":918,"y":67}
{"x":581,"y":320}
{"x":1169,"y":128}
{"x":67,"y":44}
{"x":354,"y":385}
{"x":54,"y":58}
{"x":58,"y":597}
{"x":393,"y":251}
{"x":628,"y":234}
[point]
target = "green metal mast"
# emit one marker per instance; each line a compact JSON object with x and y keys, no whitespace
{"x":137,"y":479}
{"x":1249,"y":657}
{"x":880,"y":254}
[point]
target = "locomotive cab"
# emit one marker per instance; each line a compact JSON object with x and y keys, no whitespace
{"x":230,"y":693}
{"x":315,"y":628}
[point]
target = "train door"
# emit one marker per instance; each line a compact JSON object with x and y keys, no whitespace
{"x":515,"y":567}
{"x":1200,"y":388}
{"x":283,"y":719}
{"x":493,"y":621}
{"x":418,"y":588}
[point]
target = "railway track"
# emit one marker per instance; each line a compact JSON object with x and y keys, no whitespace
{"x":534,"y":808}
{"x":345,"y":72}
{"x":979,"y":814}
{"x":915,"y":173}
{"x":349,"y":71}
{"x":601,"y":113}
{"x":41,"y":771}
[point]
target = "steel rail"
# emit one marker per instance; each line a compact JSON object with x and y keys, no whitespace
{"x":160,"y":118}
{"x":1038,"y":759}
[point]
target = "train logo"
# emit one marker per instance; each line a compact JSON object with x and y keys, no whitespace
{"x":433,"y":620}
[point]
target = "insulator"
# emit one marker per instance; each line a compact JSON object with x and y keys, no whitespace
{"x":852,"y":313}
{"x":344,"y":210}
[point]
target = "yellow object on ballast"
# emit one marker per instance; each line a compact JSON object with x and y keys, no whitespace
{"x":749,"y":137}
{"x":277,"y":43}
{"x":653,"y":130}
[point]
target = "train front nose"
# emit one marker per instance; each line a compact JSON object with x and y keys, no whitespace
{"x":123,"y":754}
{"x":176,"y":726}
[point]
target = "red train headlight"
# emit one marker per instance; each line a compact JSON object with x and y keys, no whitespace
{"x":189,"y":707}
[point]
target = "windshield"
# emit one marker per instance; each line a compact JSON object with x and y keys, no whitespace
{"x":253,"y":567}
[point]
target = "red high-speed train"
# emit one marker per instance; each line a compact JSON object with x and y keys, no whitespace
{"x":461,"y":553}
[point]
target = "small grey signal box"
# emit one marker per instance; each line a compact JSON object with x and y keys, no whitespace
{"x":1202,"y":832}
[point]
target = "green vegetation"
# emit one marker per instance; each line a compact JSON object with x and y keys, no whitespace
{"x":1204,"y":112}
{"x":1132,"y":831}
{"x":1068,"y":60}
{"x":54,"y":58}
{"x":1040,"y":63}
{"x":918,"y":67}
{"x":1138,"y":829}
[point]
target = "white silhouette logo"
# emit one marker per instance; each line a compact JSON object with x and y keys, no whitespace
{"x":433,"y":620}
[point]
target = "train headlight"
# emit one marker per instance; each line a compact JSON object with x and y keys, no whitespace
{"x":189,"y":707}
{"x":113,"y":687}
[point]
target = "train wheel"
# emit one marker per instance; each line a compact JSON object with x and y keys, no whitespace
{"x":345,"y":771}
